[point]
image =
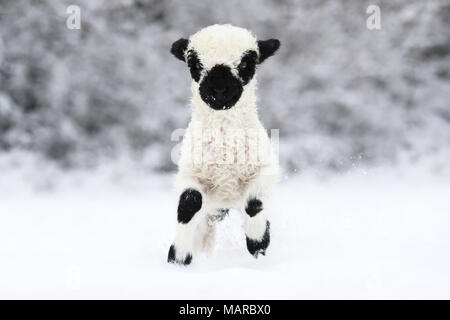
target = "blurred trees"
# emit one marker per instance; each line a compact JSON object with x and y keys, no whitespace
{"x":339,"y":93}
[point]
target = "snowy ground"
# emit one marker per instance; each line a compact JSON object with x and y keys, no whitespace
{"x":362,"y":235}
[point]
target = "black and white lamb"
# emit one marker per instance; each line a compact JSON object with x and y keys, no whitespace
{"x":226,"y":158}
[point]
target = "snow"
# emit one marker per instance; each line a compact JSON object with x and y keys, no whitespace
{"x":344,"y":98}
{"x":378,"y":234}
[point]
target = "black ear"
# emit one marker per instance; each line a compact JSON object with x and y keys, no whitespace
{"x":267,"y":48}
{"x":179,"y":47}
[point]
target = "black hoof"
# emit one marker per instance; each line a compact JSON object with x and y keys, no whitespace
{"x":259,"y":247}
{"x":171,"y":257}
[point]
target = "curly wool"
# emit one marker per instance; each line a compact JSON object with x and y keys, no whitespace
{"x":225,"y":183}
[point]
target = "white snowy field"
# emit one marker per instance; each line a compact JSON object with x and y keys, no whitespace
{"x":377,"y":234}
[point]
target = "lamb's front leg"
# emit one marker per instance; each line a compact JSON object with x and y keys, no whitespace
{"x":257,"y":227}
{"x":189,"y":206}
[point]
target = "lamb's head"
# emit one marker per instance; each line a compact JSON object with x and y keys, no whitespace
{"x":222,"y":60}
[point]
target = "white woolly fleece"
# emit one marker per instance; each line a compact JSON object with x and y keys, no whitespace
{"x":230,"y":184}
{"x":222,"y":44}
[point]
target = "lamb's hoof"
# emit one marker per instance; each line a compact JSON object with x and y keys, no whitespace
{"x":259,"y":247}
{"x":171,"y":257}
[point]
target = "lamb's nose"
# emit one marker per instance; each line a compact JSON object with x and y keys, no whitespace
{"x":219,"y":90}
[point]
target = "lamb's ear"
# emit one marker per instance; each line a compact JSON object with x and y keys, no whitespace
{"x":267,"y":48}
{"x":179,"y":47}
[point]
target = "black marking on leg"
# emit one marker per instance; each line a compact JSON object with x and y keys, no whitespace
{"x":254,"y":206}
{"x":259,"y":247}
{"x":171,"y":258}
{"x":190,"y":202}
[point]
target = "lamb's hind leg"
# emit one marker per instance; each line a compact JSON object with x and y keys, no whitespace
{"x":189,"y":215}
{"x":206,"y":236}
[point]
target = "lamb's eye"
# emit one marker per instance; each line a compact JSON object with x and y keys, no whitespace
{"x":243,"y":65}
{"x":198,"y":66}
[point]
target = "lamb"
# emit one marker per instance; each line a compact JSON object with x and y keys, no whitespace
{"x":226,"y":156}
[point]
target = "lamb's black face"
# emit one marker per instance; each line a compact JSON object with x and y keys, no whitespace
{"x":221,"y":86}
{"x":220,"y":89}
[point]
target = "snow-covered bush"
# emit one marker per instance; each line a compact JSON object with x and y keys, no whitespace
{"x":339,"y":93}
